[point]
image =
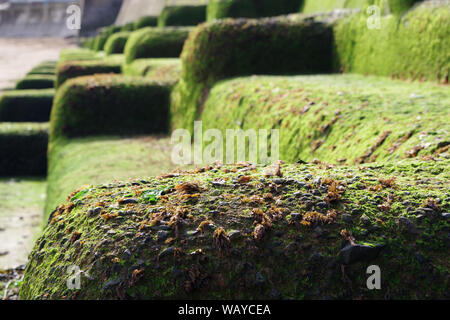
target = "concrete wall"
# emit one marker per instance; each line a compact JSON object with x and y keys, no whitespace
{"x":35,"y":19}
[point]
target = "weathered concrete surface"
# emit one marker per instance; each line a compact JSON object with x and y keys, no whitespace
{"x":35,"y":19}
{"x":21,"y":214}
{"x":99,"y":13}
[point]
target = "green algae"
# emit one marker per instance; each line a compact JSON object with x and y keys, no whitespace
{"x":117,"y":244}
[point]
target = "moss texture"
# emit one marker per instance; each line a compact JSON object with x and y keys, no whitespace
{"x":26,"y":105}
{"x":162,"y":69}
{"x":36,"y":81}
{"x":230,"y":48}
{"x":335,"y":118}
{"x":73,"y":69}
{"x":23,"y":147}
{"x":219,"y":9}
{"x":182,"y":15}
{"x":156,"y":43}
{"x":239,"y":233}
{"x":415,"y":46}
{"x":116,"y":42}
{"x":28,"y":191}
{"x":147,"y":21}
{"x":108,"y":104}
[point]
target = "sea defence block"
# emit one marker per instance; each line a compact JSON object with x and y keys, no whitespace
{"x":99,"y":13}
{"x":156,"y":43}
{"x":36,"y":81}
{"x":182,"y":15}
{"x":73,"y":69}
{"x":340,"y":119}
{"x":110,"y":105}
{"x":33,"y":19}
{"x":162,"y":69}
{"x":385,"y":6}
{"x":26,"y":105}
{"x":77,"y":54}
{"x":209,"y":238}
{"x":219,"y":9}
{"x":263,"y":46}
{"x":116,"y":43}
{"x":415,"y":45}
{"x":44,"y":68}
{"x":23,"y":149}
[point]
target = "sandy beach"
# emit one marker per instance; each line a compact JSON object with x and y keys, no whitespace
{"x":18,"y":56}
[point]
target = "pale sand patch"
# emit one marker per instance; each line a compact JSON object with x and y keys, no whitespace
{"x":19,"y":231}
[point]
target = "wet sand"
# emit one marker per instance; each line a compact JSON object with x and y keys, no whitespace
{"x":21,"y":223}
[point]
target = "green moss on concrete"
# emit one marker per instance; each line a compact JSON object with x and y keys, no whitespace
{"x":265,"y":46}
{"x":36,"y":81}
{"x":99,"y":41}
{"x":130,"y":26}
{"x":386,"y":6}
{"x":44,"y":68}
{"x":77,"y":162}
{"x":335,"y":118}
{"x":182,"y":15}
{"x":156,"y":43}
{"x":311,"y":6}
{"x":108,"y":104}
{"x":22,"y":193}
{"x":23,"y":147}
{"x":86,"y":42}
{"x":162,"y":69}
{"x":147,"y":21}
{"x":73,"y":69}
{"x":415,"y":46}
{"x":26,"y":105}
{"x":116,"y":42}
{"x":219,"y":9}
{"x":211,"y":233}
